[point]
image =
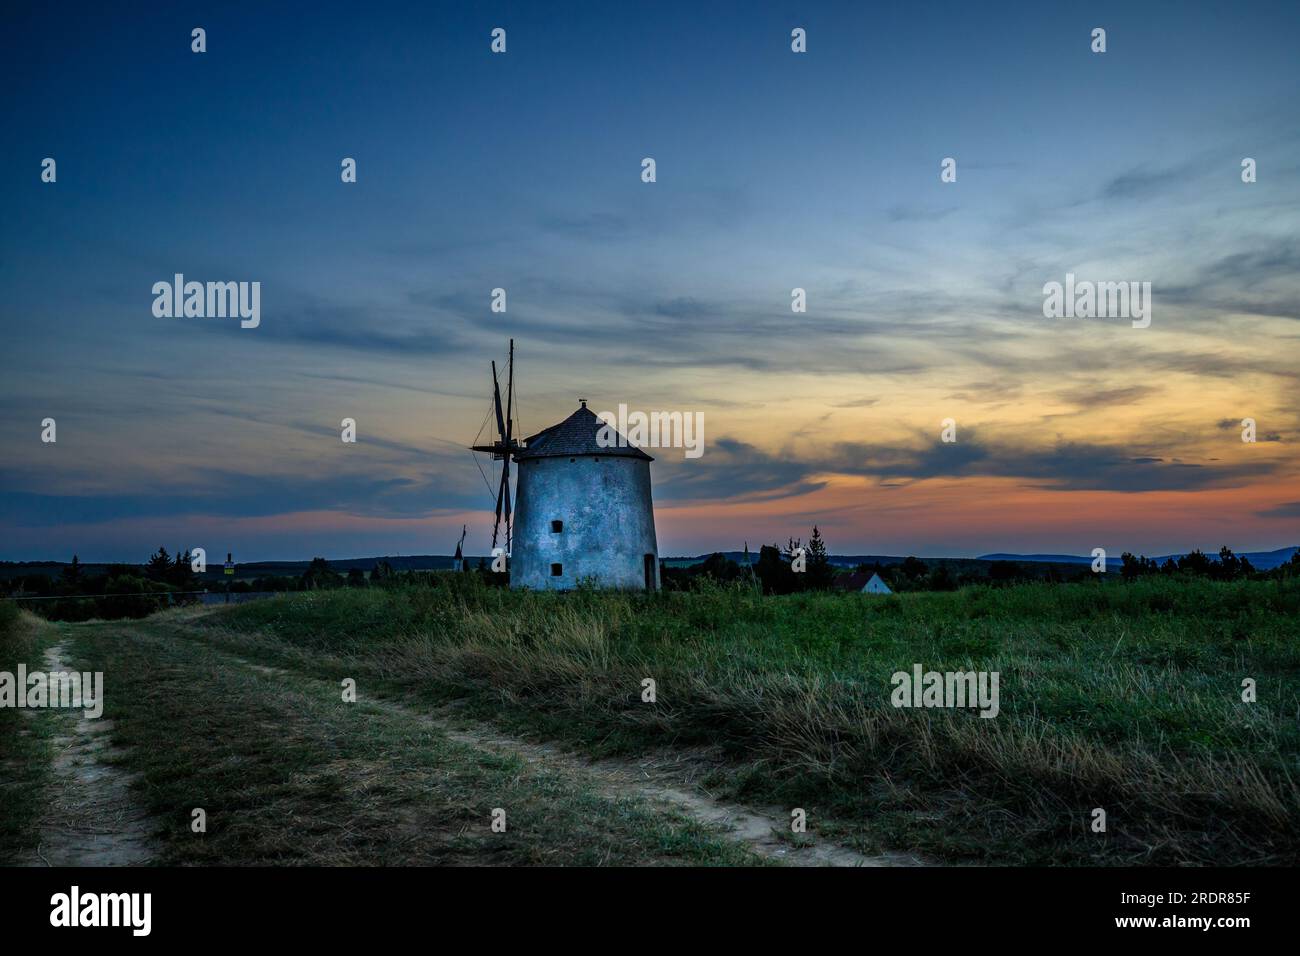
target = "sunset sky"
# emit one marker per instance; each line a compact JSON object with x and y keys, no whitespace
{"x":775,"y":170}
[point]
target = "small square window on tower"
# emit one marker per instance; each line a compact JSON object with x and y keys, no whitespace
{"x":557,"y":570}
{"x":557,"y":526}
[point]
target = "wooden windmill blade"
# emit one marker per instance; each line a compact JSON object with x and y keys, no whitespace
{"x":503,"y":447}
{"x":502,"y":490}
{"x":509,"y":438}
{"x":496,"y":398}
{"x":503,"y":501}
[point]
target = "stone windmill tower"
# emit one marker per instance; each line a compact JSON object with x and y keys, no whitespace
{"x":583,"y":512}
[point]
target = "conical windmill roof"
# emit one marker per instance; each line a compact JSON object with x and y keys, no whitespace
{"x":574,"y":436}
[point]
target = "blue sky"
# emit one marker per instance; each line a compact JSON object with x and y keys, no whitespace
{"x":775,"y":170}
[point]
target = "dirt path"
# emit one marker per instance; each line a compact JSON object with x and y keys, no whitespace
{"x":666,"y":780}
{"x":91,"y":819}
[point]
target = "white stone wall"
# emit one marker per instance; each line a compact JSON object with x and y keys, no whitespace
{"x":605,"y":505}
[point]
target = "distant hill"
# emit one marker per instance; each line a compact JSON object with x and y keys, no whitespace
{"x":839,"y":560}
{"x":1054,"y":558}
{"x":402,"y":562}
{"x":1067,"y":565}
{"x":853,"y":560}
{"x":1262,"y":560}
{"x":248,"y":570}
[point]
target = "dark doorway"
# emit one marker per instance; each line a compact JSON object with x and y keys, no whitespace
{"x":649,"y":572}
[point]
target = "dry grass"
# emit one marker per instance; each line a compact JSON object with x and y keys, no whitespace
{"x":289,"y":774}
{"x":1134,"y":708}
{"x":26,"y":749}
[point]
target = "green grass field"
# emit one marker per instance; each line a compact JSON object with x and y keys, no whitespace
{"x":26,"y":748}
{"x":1121,"y":697}
{"x":288,"y":774}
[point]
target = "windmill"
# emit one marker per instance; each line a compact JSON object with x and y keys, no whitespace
{"x":505,"y":447}
{"x":581,"y":508}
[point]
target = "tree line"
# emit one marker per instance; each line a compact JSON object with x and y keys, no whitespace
{"x":1227,"y":567}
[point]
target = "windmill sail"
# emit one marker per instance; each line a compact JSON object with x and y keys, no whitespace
{"x":503,"y":449}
